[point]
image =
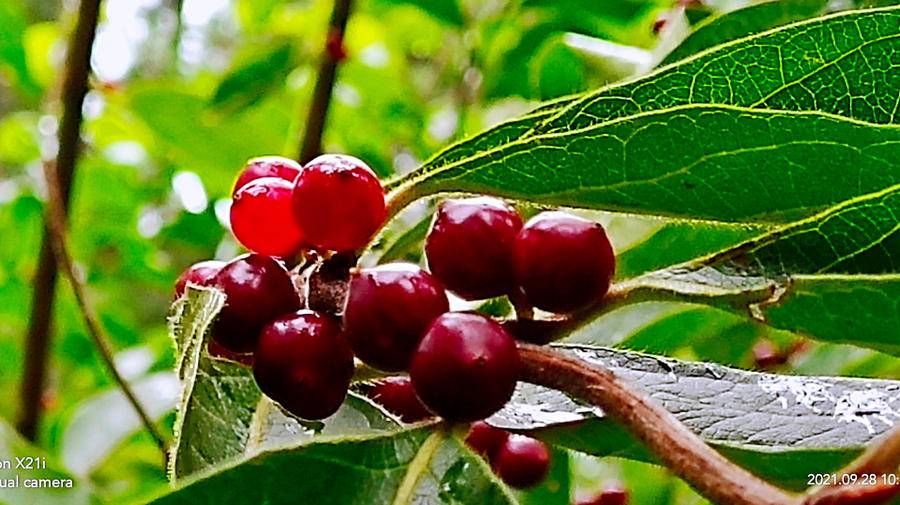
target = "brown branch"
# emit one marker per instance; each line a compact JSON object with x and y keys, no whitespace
{"x":332,"y":55}
{"x":671,"y":441}
{"x":74,"y":89}
{"x":58,"y":177}
{"x":57,"y":227}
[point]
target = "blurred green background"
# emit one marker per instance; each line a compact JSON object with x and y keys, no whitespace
{"x":184,"y":91}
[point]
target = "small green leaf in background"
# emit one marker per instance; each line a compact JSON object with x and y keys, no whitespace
{"x":251,"y":82}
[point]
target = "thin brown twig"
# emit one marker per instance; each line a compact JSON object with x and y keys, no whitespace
{"x":58,"y":177}
{"x":37,"y":345}
{"x":311,"y":145}
{"x":57,"y":226}
{"x":672,"y":442}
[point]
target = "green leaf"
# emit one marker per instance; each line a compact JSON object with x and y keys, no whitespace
{"x":222,"y":415}
{"x":420,"y":465}
{"x":201,"y":139}
{"x":833,"y":276}
{"x":13,"y":59}
{"x":250,"y":82}
{"x":53,"y":486}
{"x":604,"y":149}
{"x":749,"y":166}
{"x":780,"y":427}
{"x":756,"y":18}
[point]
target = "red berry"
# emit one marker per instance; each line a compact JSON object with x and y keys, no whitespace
{"x":334,"y":46}
{"x":522,"y":462}
{"x":563,"y":262}
{"x":388,"y":310}
{"x":201,"y":274}
{"x":397,"y":395}
{"x":257,"y":290}
{"x":338,"y":202}
{"x":612,"y":496}
{"x":470,"y":247}
{"x":304,"y":362}
{"x":262,"y":218}
{"x":267,"y":166}
{"x":485,"y":439}
{"x":217,"y":351}
{"x":466,"y":367}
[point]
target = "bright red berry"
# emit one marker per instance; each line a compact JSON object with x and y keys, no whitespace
{"x":470,"y":247}
{"x":267,"y":166}
{"x":262,"y":218}
{"x":257,"y":290}
{"x":466,"y":367}
{"x":486,"y":439}
{"x":563,"y":262}
{"x":398,"y":397}
{"x":304,"y":362}
{"x":338,"y":202}
{"x":388,"y":310}
{"x":522,"y":462}
{"x":201,"y":274}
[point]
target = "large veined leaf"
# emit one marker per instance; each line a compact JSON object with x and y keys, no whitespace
{"x":718,"y":29}
{"x":414,"y":466}
{"x":576,"y":151}
{"x":223,"y":416}
{"x":780,"y":427}
{"x":833,"y":276}
{"x":751,"y":165}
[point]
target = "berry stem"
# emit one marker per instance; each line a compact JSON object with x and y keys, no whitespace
{"x":671,"y":441}
{"x":311,"y":145}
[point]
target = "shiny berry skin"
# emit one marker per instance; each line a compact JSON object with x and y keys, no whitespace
{"x":257,"y":290}
{"x":217,"y":351}
{"x":267,"y":166}
{"x":338,"y":202}
{"x":486,"y":439}
{"x":388,"y":310}
{"x":469,"y":247}
{"x":562,"y":262}
{"x":398,"y":397}
{"x":522,"y":462}
{"x":304,"y":362}
{"x":262,"y":218}
{"x":466,"y":367}
{"x":201,"y":274}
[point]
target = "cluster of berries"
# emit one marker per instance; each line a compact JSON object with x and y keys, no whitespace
{"x":462,"y":366}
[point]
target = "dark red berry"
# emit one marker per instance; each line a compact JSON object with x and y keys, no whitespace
{"x":304,"y":362}
{"x":611,"y":496}
{"x":257,"y":290}
{"x":522,"y":462}
{"x":470,"y":247}
{"x":267,"y":166}
{"x":338,"y":202}
{"x":563,"y":262}
{"x":201,"y":274}
{"x":466,"y":367}
{"x":486,"y":439}
{"x":398,"y":397}
{"x":262,"y":218}
{"x":217,"y":351}
{"x":388,"y":310}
